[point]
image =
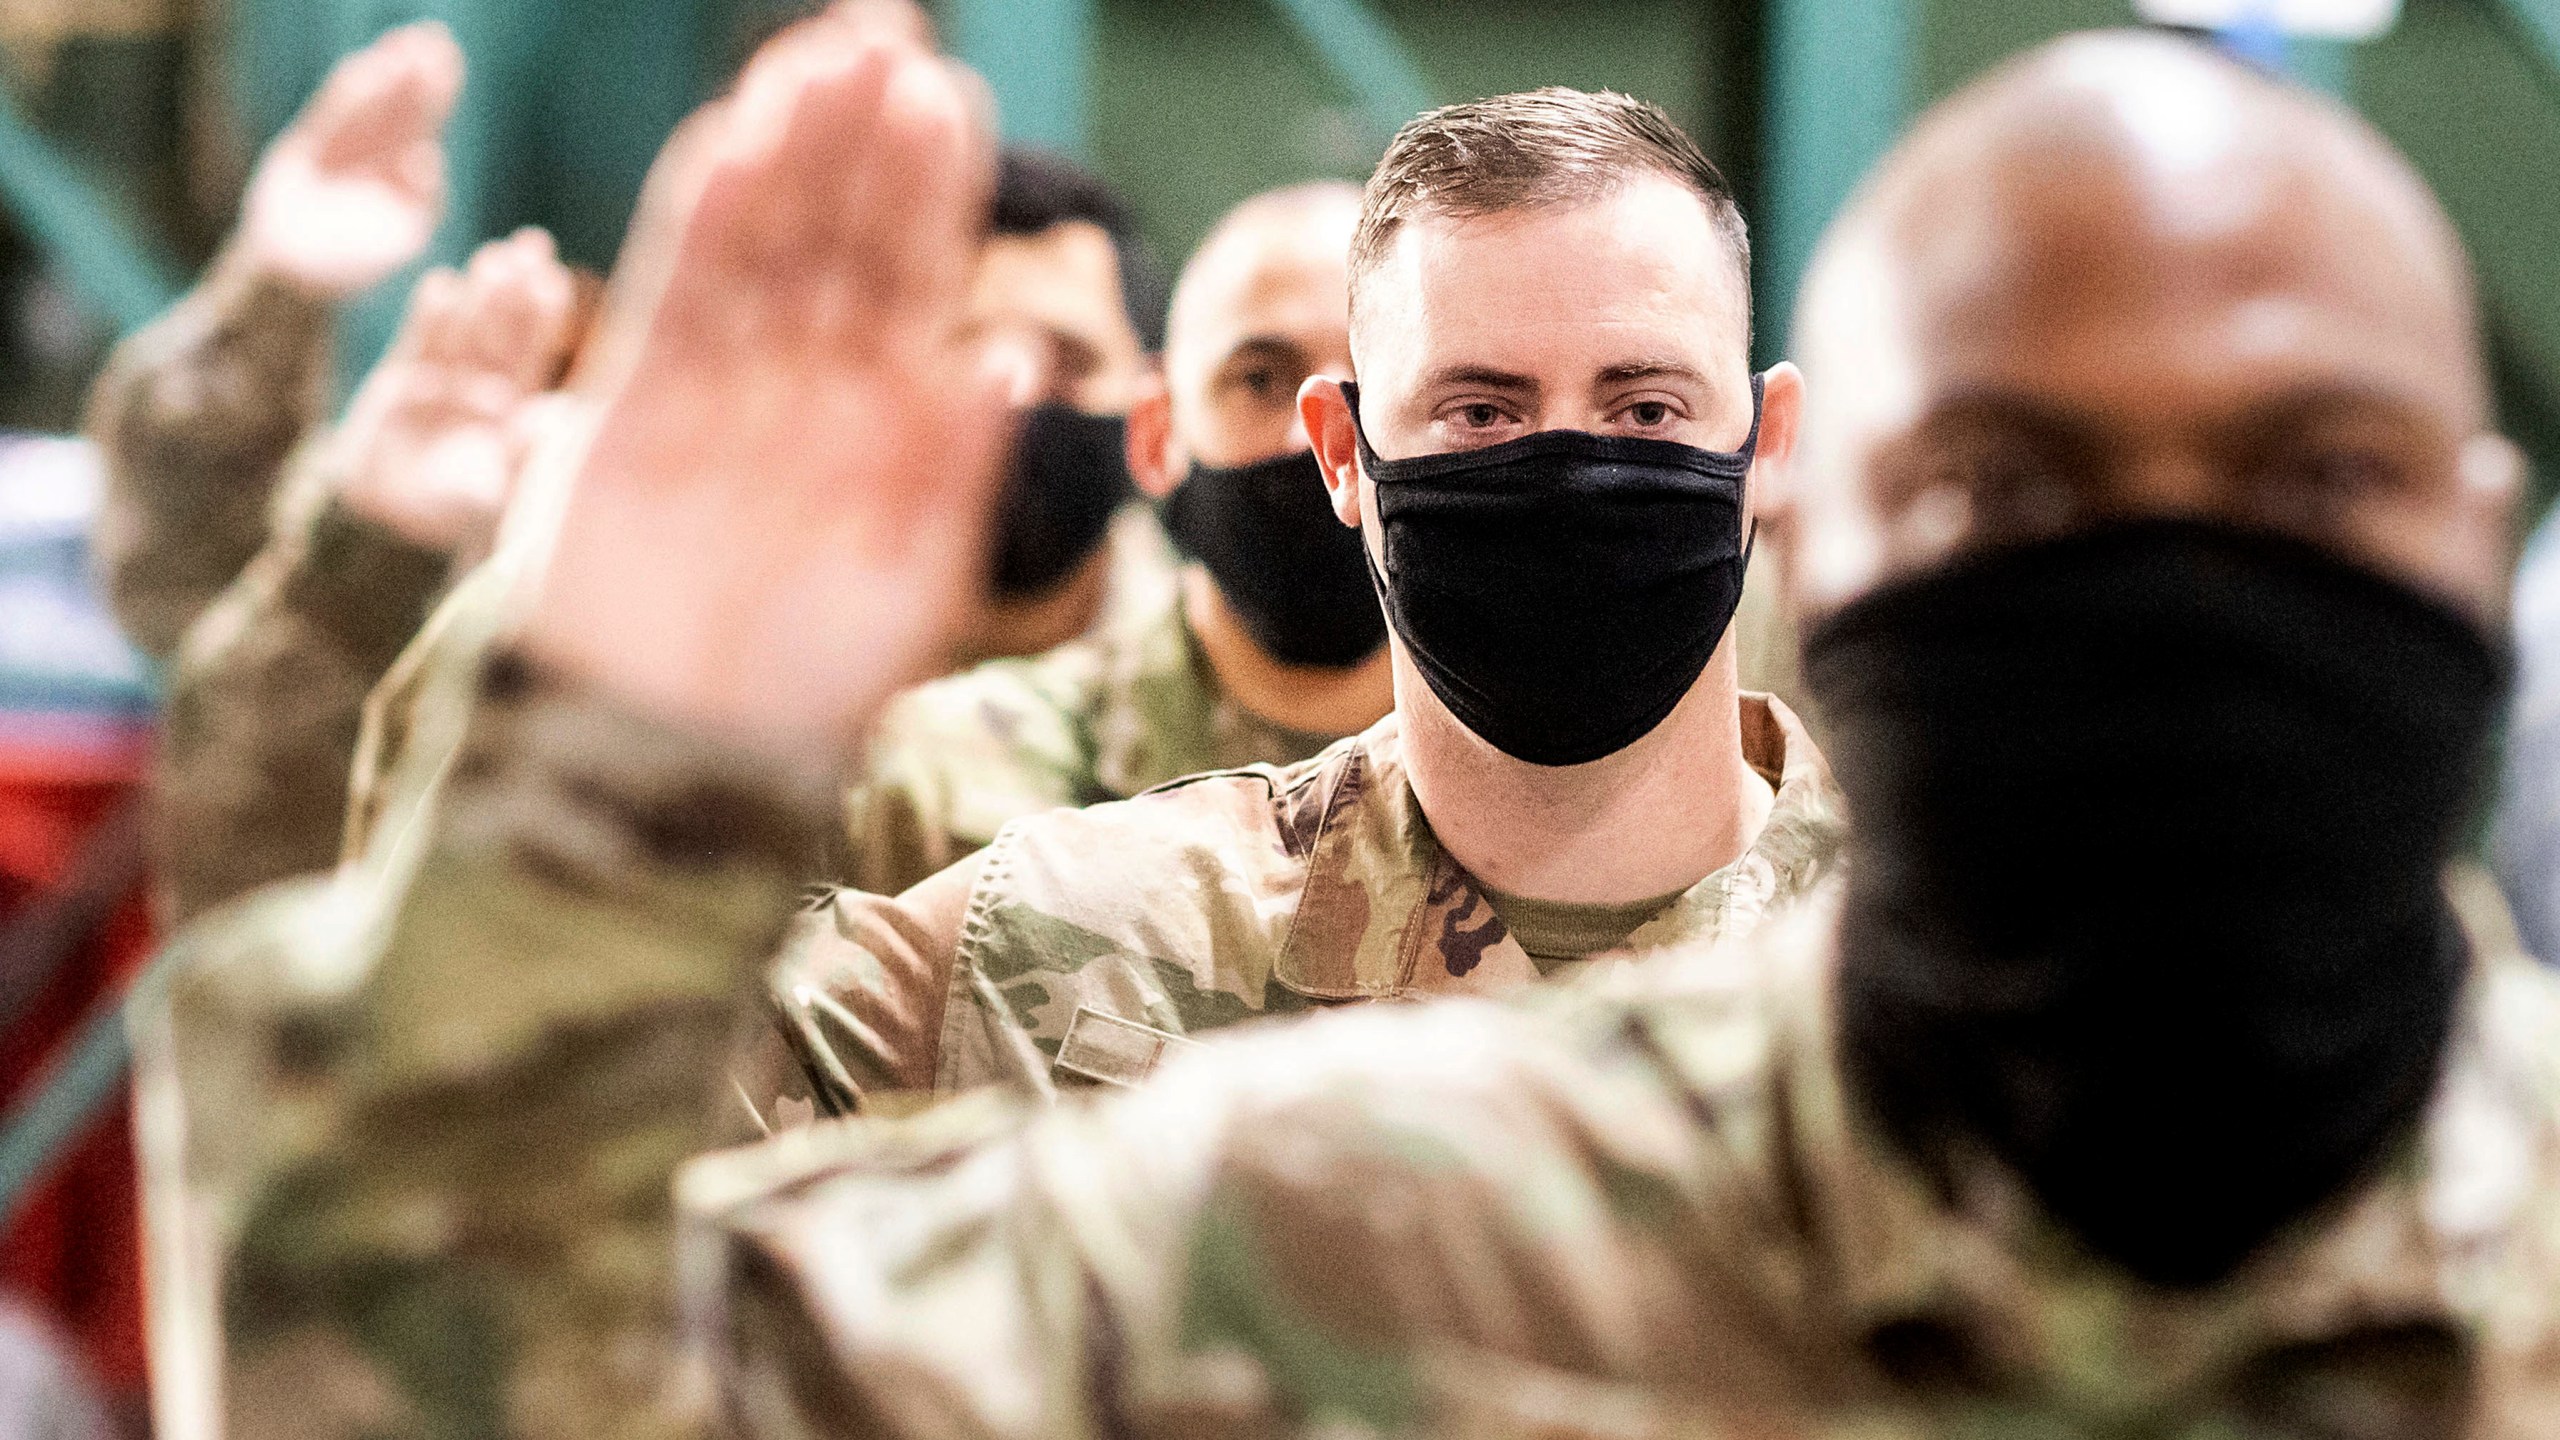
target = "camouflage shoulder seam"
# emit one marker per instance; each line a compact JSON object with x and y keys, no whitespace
{"x":1268,"y":775}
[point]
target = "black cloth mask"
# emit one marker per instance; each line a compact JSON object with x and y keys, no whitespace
{"x":2145,"y":876}
{"x":1070,"y":474}
{"x":1295,"y":575}
{"x":1561,"y":592}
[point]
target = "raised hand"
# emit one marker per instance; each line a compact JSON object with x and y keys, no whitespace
{"x":433,"y":436}
{"x":780,"y":519}
{"x":354,"y":187}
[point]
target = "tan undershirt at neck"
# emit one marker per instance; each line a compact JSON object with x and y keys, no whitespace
{"x":1554,"y":931}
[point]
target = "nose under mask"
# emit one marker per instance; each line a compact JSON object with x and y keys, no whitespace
{"x":2145,"y":883}
{"x":1292,"y":572}
{"x":1561,"y":593}
{"x":1070,"y":474}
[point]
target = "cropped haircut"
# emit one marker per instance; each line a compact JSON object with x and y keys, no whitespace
{"x":1038,"y":189}
{"x":1538,"y":149}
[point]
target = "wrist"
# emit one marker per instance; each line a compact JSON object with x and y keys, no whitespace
{"x":246,"y":266}
{"x":660,"y":656}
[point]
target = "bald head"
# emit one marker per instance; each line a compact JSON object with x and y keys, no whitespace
{"x":1260,"y":307}
{"x":2123,"y":276}
{"x":1266,"y":243}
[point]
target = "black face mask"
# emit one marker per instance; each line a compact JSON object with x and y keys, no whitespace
{"x":2145,"y":879}
{"x":1070,"y":473}
{"x":1294,"y":573}
{"x":1561,"y":592}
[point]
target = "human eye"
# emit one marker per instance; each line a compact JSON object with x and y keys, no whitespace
{"x":1468,"y":417}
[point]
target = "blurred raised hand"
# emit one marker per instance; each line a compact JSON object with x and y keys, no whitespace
{"x":354,"y":187}
{"x":780,"y":519}
{"x":434,"y":436}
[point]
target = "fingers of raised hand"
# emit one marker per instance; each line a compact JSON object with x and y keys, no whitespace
{"x":917,"y":227}
{"x":383,"y":100}
{"x":512,"y":320}
{"x":425,"y":325}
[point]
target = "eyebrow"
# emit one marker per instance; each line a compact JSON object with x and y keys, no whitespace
{"x":1480,"y":376}
{"x":1633,"y":370}
{"x":1256,"y":346}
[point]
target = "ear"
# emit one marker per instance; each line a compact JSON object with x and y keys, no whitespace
{"x":1152,"y":462}
{"x":1768,"y":496}
{"x":1325,"y":413}
{"x":2492,"y":475}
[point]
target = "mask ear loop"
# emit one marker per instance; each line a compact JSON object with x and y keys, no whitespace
{"x":1751,"y":447}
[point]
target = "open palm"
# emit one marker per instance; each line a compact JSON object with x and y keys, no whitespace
{"x":354,"y":188}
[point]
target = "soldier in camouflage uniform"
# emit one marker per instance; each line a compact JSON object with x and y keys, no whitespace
{"x":267,"y":694}
{"x":1199,"y":680}
{"x":196,"y":414}
{"x":2254,"y":1133}
{"x":1184,"y":683}
{"x":574,"y":824}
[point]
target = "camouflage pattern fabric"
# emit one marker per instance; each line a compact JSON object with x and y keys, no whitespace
{"x":327,"y":1257}
{"x":1084,"y":946}
{"x":410,"y":1132}
{"x":1646,"y":1208}
{"x":195,"y":416}
{"x":267,"y":696}
{"x":1122,"y":710}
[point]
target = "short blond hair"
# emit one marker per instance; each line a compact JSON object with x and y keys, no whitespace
{"x":1538,"y":148}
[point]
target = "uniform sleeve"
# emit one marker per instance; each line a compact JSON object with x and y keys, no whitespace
{"x":1453,"y":1221}
{"x":452,"y":1134}
{"x":194,"y":416}
{"x":853,"y":1005}
{"x":267,"y":696}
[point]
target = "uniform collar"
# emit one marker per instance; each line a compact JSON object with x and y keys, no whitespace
{"x":2416,"y":1246}
{"x":1161,"y":713}
{"x":1384,"y":911}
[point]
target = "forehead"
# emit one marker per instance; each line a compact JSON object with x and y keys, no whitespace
{"x":1642,"y":260}
{"x":2145,"y":292}
{"x":1286,"y":274}
{"x":1067,"y":278}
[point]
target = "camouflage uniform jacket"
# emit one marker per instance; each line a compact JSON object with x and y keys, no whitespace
{"x":409,"y":1131}
{"x":267,"y":695}
{"x":1649,"y":1209}
{"x":1122,"y":710}
{"x":195,"y":415}
{"x":1083,"y":946}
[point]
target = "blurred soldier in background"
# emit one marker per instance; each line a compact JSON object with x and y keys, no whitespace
{"x":196,"y":414}
{"x":2149,"y":1073}
{"x":266,"y":695}
{"x":1275,"y":645}
{"x":1069,"y":301}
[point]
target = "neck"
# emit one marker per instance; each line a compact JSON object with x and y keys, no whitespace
{"x":1652,"y":819}
{"x":1314,"y":699}
{"x":1029,"y":624}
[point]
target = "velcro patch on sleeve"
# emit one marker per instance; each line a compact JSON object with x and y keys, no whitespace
{"x":1110,"y":1050}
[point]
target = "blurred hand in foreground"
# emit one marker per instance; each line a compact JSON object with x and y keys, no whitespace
{"x":354,"y":187}
{"x":780,"y":521}
{"x":433,"y":438}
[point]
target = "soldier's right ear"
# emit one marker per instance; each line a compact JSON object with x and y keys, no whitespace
{"x":1324,"y":410}
{"x":1154,"y":461}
